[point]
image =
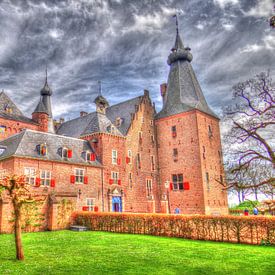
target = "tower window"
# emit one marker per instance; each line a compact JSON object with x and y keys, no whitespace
{"x":174,"y":131}
{"x":210,"y":131}
{"x":175,"y":154}
{"x":149,"y":187}
{"x":207,"y":181}
{"x":138,"y":161}
{"x":114,"y":176}
{"x":140,"y":136}
{"x":177,"y":181}
{"x":203,"y":152}
{"x":152,"y":163}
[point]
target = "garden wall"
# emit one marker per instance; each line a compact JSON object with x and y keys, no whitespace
{"x":251,"y":230}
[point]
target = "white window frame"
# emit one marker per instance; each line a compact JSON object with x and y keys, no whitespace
{"x":30,"y":175}
{"x":79,"y":174}
{"x":90,"y":203}
{"x":129,"y":153}
{"x":115,"y":176}
{"x":45,"y":177}
{"x":149,"y":187}
{"x":114,"y":157}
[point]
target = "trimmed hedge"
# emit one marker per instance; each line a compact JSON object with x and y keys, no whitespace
{"x":252,"y":230}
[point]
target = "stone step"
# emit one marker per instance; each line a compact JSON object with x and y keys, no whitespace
{"x":78,"y":228}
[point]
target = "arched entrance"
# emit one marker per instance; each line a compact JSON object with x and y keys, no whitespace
{"x":115,"y":200}
{"x":116,"y":204}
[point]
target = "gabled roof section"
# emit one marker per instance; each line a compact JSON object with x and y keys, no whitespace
{"x":9,"y":110}
{"x":98,"y":122}
{"x":25,"y":143}
{"x":5,"y":102}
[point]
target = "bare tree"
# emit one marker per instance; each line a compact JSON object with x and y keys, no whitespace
{"x":17,"y":190}
{"x":249,"y":142}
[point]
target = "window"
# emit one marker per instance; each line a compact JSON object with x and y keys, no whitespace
{"x":79,"y":175}
{"x":207,"y":180}
{"x":152,"y":139}
{"x":90,"y":204}
{"x":138,"y":161}
{"x":129,"y":156}
{"x":114,"y":157}
{"x":203,"y":152}
{"x":140,"y":136}
{"x":210,"y":132}
{"x":221,"y":179}
{"x":65,"y":152}
{"x":174,"y":131}
{"x":152,"y":163}
{"x":177,"y":182}
{"x":42,"y":149}
{"x":149,"y":187}
{"x":114,"y":176}
{"x":45,"y":177}
{"x":175,"y":153}
{"x":30,"y":175}
{"x":118,"y":121}
{"x":152,"y":122}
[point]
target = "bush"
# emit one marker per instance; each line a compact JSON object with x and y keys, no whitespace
{"x":251,"y":229}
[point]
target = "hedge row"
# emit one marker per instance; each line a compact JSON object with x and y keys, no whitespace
{"x":252,"y":230}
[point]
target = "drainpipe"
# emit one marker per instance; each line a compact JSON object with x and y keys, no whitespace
{"x":102,"y":189}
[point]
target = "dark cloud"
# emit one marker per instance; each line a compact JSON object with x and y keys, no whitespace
{"x":125,"y":44}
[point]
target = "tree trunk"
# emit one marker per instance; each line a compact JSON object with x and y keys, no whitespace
{"x":256,"y":194}
{"x":17,"y":232}
{"x":239,"y":196}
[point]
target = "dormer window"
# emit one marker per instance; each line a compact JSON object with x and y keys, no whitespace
{"x":2,"y":150}
{"x":119,"y":121}
{"x":42,"y":149}
{"x":89,"y":156}
{"x":66,"y":153}
{"x":8,"y":109}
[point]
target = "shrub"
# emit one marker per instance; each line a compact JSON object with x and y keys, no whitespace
{"x":253,"y":230}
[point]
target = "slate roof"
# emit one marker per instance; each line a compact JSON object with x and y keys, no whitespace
{"x":24,"y":144}
{"x":40,"y":108}
{"x":97,"y":122}
{"x":183,"y":89}
{"x":16,"y":114}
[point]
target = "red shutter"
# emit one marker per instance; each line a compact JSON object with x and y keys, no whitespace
{"x":111,"y":181}
{"x":72,"y":178}
{"x":85,"y":180}
{"x":37,"y":182}
{"x":85,"y":208}
{"x":174,"y":134}
{"x":186,"y":186}
{"x":118,"y":161}
{"x":119,"y":182}
{"x":70,"y":153}
{"x":127,"y":160}
{"x":52,"y":182}
{"x":93,"y":157}
{"x":96,"y":208}
{"x":171,"y":186}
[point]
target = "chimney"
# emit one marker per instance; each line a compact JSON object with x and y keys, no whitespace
{"x":163,"y":91}
{"x":82,"y":113}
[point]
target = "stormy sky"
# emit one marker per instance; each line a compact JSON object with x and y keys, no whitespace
{"x":125,"y":44}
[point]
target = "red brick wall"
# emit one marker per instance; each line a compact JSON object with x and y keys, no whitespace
{"x":42,"y":120}
{"x":63,"y":189}
{"x":13,"y":127}
{"x":211,"y":163}
{"x":188,"y":161}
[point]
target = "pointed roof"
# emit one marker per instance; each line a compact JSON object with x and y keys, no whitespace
{"x":183,"y":89}
{"x":9,"y":110}
{"x":46,"y":90}
{"x":40,"y":108}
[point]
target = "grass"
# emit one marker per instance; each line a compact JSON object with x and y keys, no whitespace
{"x":66,"y":252}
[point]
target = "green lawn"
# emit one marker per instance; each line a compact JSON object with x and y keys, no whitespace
{"x":67,"y":252}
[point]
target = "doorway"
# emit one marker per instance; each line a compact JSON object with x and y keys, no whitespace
{"x":116,"y":204}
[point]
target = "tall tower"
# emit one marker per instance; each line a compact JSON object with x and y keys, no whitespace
{"x":44,"y":108}
{"x":189,"y":146}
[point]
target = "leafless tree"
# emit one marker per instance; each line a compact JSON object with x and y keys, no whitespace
{"x":249,"y":141}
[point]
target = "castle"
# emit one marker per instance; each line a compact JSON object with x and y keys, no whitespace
{"x":120,"y":158}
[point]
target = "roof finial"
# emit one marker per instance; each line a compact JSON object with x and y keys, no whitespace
{"x":177,"y":24}
{"x":46,"y":80}
{"x":99,"y":87}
